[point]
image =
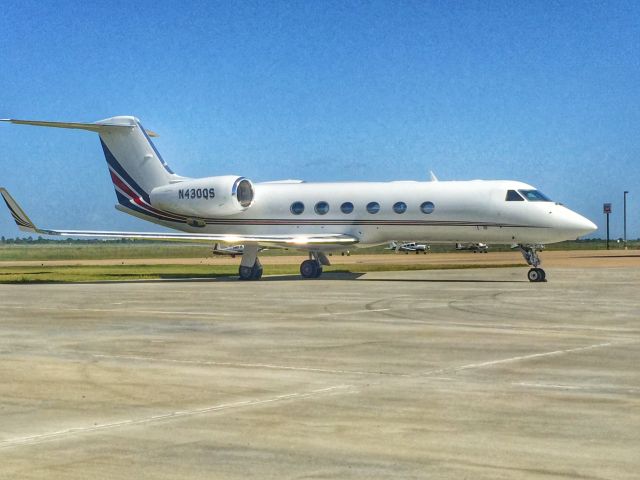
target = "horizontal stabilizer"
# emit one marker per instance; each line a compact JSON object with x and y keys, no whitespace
{"x":92,"y":127}
{"x":26,"y":225}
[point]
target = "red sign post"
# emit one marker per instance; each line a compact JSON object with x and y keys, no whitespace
{"x":606,"y":208}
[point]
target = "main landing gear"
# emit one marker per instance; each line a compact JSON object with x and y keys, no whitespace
{"x":312,"y":268}
{"x":530,"y":254}
{"x":250,"y":266}
{"x":253,"y":272}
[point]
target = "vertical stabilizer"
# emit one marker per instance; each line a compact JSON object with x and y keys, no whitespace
{"x":135,"y":165}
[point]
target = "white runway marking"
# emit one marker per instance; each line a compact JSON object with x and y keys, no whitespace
{"x":533,"y":355}
{"x":34,"y":439}
{"x":520,"y":358}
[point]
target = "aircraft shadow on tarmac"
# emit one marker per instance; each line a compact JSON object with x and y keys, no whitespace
{"x":342,"y":276}
{"x":284,"y":278}
{"x":358,"y":276}
{"x":442,"y":280}
{"x":608,"y":256}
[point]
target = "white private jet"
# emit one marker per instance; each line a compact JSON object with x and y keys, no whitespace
{"x":314,"y":217}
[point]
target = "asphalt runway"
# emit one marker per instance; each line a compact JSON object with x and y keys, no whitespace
{"x":474,"y":374}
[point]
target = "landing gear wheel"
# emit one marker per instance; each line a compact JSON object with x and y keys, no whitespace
{"x":250,"y":273}
{"x":245,"y":273}
{"x":536,"y":275}
{"x":257,"y":273}
{"x":310,"y":269}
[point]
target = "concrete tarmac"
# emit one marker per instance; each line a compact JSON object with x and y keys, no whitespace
{"x":474,"y":374}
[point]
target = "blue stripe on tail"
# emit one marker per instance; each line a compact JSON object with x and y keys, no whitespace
{"x":111,"y":160}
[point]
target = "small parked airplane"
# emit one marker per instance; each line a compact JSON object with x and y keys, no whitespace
{"x":473,"y":247}
{"x":314,"y":217}
{"x":408,"y":247}
{"x":232,"y":250}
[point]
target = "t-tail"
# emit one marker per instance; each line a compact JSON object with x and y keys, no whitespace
{"x":135,"y":165}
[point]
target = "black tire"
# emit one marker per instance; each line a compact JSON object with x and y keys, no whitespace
{"x":257,"y":273}
{"x":543,"y":275}
{"x":309,"y":269}
{"x":535,"y":275}
{"x":250,"y":273}
{"x":245,"y":273}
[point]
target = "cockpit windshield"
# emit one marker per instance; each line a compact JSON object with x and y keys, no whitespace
{"x":513,"y":196}
{"x":534,"y":196}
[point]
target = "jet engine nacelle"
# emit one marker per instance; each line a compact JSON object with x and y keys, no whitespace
{"x":203,"y":197}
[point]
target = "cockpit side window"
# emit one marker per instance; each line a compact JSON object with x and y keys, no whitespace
{"x":513,"y":196}
{"x":535,"y":196}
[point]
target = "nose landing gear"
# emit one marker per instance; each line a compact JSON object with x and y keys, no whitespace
{"x":530,"y":254}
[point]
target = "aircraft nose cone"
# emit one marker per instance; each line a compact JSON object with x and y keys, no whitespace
{"x":589,"y":226}
{"x":581,"y":225}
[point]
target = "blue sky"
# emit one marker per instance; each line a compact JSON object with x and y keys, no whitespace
{"x":540,"y":91}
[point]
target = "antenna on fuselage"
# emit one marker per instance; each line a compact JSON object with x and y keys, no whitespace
{"x":432,"y":176}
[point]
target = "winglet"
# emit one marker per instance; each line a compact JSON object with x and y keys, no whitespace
{"x":21,"y":218}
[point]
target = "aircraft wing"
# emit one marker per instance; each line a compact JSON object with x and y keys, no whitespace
{"x":300,"y":240}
